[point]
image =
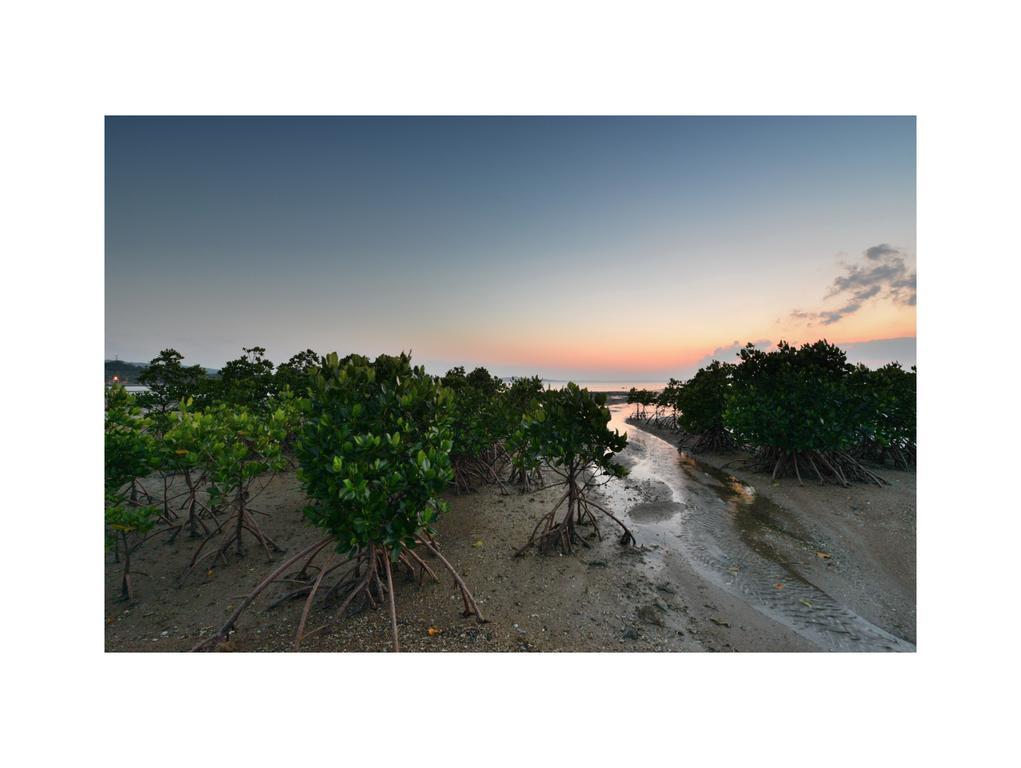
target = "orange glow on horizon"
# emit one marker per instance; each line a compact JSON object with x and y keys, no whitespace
{"x":641,"y":358}
{"x":650,"y":338}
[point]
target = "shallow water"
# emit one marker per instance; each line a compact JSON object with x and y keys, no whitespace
{"x":681,"y":509}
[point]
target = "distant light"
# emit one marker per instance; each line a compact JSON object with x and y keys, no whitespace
{"x":116,"y":379}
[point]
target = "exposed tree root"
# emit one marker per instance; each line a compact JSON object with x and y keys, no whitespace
{"x":198,"y":512}
{"x":127,"y":586}
{"x":898,"y":456}
{"x":462,"y":478}
{"x":667,"y":423}
{"x":715,"y":440}
{"x":549,"y":533}
{"x":828,"y":466}
{"x":136,"y":489}
{"x":528,"y":480}
{"x":168,"y":515}
{"x":365,"y":579}
{"x":233,"y":535}
{"x":484,"y":469}
{"x":639,"y":413}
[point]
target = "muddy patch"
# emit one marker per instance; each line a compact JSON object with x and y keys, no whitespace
{"x":655,"y":511}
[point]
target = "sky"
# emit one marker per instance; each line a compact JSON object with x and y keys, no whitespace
{"x":606,"y":249}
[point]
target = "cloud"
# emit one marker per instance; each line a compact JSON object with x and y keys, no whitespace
{"x":883,"y":274}
{"x":877,"y":252}
{"x":727,"y":353}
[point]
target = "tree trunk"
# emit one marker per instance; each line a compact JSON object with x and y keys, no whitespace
{"x":192,"y":527}
{"x":126,"y":572}
{"x":241,"y":516}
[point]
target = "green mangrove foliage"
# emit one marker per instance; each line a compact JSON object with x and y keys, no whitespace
{"x":887,"y":404}
{"x":385,"y":429}
{"x":246,"y":381}
{"x":701,"y":403}
{"x":296,"y":373}
{"x":667,"y":404}
{"x":798,"y":408}
{"x":129,"y":452}
{"x":374,"y":456}
{"x":478,"y":426}
{"x":641,"y":399}
{"x":569,"y":430}
{"x":520,"y":402}
{"x":169,"y":384}
{"x":232,"y":447}
{"x":218,"y":435}
{"x":177,"y":454}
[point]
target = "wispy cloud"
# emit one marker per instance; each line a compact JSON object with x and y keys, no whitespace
{"x":884,"y":274}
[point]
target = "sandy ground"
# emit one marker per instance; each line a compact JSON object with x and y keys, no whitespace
{"x":593,"y":601}
{"x":857,"y":543}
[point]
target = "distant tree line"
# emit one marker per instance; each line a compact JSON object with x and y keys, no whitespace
{"x":129,"y":374}
{"x":122,"y":372}
{"x":803,"y":412}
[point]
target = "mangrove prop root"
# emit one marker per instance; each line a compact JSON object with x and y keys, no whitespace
{"x":470,"y":606}
{"x":308,"y":605}
{"x":393,"y":606}
{"x":899,"y":456}
{"x":232,"y":535}
{"x":549,"y":533}
{"x":526,"y":478}
{"x":425,"y":567}
{"x":715,"y":440}
{"x":483,"y":469}
{"x":127,"y":591}
{"x":827,"y":466}
{"x":221,"y":636}
{"x":369,"y":576}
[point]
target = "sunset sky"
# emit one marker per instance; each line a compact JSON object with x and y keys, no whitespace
{"x":586,"y":248}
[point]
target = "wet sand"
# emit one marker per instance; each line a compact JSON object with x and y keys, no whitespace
{"x":856,"y":544}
